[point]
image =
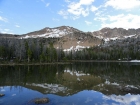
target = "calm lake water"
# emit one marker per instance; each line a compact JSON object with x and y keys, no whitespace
{"x":71,"y":84}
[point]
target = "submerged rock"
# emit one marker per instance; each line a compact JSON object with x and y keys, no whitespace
{"x":1,"y":95}
{"x":41,"y":100}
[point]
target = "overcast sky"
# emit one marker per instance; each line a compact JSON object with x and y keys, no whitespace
{"x":23,"y":16}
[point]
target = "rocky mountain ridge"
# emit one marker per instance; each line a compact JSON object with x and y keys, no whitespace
{"x":68,"y":38}
{"x":67,"y":43}
{"x":61,"y":31}
{"x":108,"y":34}
{"x":51,"y":32}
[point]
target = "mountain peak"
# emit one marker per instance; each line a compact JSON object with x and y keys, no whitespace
{"x":116,"y":33}
{"x":51,"y":32}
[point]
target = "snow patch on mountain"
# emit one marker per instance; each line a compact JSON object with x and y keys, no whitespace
{"x":129,"y":36}
{"x":115,"y":38}
{"x":100,"y":37}
{"x":70,"y":49}
{"x":52,"y":33}
{"x":78,"y":42}
{"x":76,"y":48}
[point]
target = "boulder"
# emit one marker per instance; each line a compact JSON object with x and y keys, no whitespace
{"x":1,"y":95}
{"x":41,"y":100}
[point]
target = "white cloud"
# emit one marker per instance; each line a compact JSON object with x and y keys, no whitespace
{"x":3,"y":19}
{"x":55,"y":20}
{"x":122,"y":21}
{"x":47,"y":4}
{"x":85,"y":12}
{"x":77,"y":8}
{"x":88,"y":22}
{"x":67,"y":1}
{"x":64,"y":14}
{"x":6,"y":31}
{"x":102,"y":19}
{"x":74,"y":17}
{"x":42,"y":0}
{"x":99,"y":13}
{"x":86,"y":2}
{"x":123,"y":4}
{"x":80,"y":8}
{"x":93,"y":8}
{"x":17,"y":26}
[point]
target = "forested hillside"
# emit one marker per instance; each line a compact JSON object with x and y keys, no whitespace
{"x":75,"y":45}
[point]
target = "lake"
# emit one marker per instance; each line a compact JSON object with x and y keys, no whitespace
{"x":97,"y":83}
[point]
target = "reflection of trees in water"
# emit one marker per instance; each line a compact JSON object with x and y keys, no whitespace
{"x":15,"y":75}
{"x":19,"y":75}
{"x":115,"y":72}
{"x":123,"y":73}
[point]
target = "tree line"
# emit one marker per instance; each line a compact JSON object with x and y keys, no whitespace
{"x":39,"y":51}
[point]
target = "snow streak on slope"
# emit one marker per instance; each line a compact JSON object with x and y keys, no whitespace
{"x":115,"y":38}
{"x":76,"y":48}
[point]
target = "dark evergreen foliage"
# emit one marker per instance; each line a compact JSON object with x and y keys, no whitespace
{"x":42,"y":50}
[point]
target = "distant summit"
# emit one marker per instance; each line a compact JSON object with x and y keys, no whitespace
{"x":51,"y":32}
{"x":108,"y":34}
{"x":69,"y":38}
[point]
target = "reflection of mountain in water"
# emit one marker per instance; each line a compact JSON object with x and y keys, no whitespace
{"x":108,"y":78}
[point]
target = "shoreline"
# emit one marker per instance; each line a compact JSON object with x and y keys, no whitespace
{"x":68,"y":62}
{"x":53,"y":63}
